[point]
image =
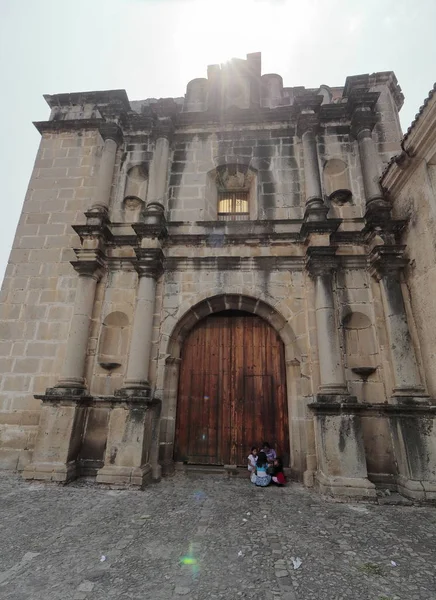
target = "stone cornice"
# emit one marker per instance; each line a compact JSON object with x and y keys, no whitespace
{"x":363,"y":118}
{"x":96,"y":97}
{"x":324,"y":225}
{"x":376,"y":410}
{"x":89,"y":263}
{"x":111,"y":131}
{"x":387,"y":260}
{"x":67,"y":125}
{"x":321,"y":260}
{"x":97,"y":226}
{"x":235,"y":263}
{"x":149,"y":262}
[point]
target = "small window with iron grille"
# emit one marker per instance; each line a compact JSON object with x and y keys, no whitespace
{"x":233,"y":206}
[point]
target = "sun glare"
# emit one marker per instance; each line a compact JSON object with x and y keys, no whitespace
{"x":230,"y":30}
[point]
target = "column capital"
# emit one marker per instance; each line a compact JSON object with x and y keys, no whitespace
{"x":321,"y":260}
{"x":89,"y":263}
{"x":363,"y":120}
{"x":150,"y":262}
{"x":307,"y":122}
{"x":387,"y":261}
{"x":96,"y":227}
{"x":111,"y":131}
{"x":164,"y":128}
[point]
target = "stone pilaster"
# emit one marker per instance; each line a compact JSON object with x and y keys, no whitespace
{"x":321,"y":263}
{"x":157,"y":187}
{"x":131,"y":457}
{"x":362,"y":123}
{"x":149,"y":266}
{"x":63,"y":411}
{"x":112,"y":136}
{"x":341,"y":466}
{"x":387,"y":263}
{"x":307,"y":127}
{"x":89,"y":267}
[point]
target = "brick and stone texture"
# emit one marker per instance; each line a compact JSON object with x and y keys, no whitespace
{"x":121,"y":250}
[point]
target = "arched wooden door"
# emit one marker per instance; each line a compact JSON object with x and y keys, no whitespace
{"x":232,"y":391}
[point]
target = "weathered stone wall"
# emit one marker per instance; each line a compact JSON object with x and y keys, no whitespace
{"x":274,"y":153}
{"x":417,"y":202}
{"x":39,"y":288}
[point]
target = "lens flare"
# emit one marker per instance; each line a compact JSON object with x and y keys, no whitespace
{"x":189,"y":561}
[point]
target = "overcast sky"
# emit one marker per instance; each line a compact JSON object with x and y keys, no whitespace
{"x":152,"y":48}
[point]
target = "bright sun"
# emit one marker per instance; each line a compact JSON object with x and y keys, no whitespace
{"x":217,"y":32}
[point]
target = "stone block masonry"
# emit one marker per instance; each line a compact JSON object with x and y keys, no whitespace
{"x":144,"y":221}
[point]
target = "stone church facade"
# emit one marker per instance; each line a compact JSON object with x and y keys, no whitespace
{"x":194,"y":275}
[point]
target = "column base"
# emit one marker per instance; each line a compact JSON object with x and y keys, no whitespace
{"x":423,"y":491}
{"x":335,"y":396}
{"x":59,"y":437}
{"x":316,"y":210}
{"x":50,"y":471}
{"x":125,"y":477}
{"x":129,"y":459}
{"x":133,"y":390}
{"x":356,"y":488}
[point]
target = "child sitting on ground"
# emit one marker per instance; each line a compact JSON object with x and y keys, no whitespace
{"x":277,"y":474}
{"x":270,"y":452}
{"x":252,"y":459}
{"x":261,"y":477}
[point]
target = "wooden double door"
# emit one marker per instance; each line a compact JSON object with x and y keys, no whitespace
{"x":232,"y":391}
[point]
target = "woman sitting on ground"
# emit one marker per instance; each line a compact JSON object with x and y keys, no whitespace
{"x":260,"y":476}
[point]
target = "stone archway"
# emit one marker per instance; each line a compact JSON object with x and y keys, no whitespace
{"x":300,"y":429}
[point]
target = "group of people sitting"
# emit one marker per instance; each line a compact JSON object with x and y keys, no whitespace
{"x":265,"y":467}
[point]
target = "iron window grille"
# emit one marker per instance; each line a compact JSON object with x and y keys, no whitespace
{"x":233,"y":206}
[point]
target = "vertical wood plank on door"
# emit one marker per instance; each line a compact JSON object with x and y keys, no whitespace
{"x":232,"y":391}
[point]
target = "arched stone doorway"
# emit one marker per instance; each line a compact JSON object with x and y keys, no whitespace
{"x":301,"y":449}
{"x":232,"y":390}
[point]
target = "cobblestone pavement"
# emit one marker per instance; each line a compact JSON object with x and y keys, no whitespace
{"x":208,"y":537}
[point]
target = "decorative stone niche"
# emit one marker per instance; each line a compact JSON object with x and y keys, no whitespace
{"x":135,"y":193}
{"x":360,"y":354}
{"x":337,"y":181}
{"x":114,"y":339}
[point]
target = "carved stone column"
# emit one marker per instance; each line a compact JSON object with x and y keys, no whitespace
{"x":63,"y":410}
{"x":111,"y":135}
{"x":157,"y":187}
{"x":387,"y":263}
{"x":131,"y":457}
{"x":362,"y":124}
{"x":149,"y":267}
{"x":306,"y":129}
{"x":73,"y":371}
{"x":341,"y":465}
{"x":321,"y":265}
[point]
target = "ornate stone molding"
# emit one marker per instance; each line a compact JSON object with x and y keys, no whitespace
{"x":387,"y":261}
{"x":111,"y":131}
{"x":97,"y":226}
{"x":150,"y":262}
{"x":89,"y":263}
{"x":153,"y":224}
{"x":321,"y":260}
{"x":163,"y":128}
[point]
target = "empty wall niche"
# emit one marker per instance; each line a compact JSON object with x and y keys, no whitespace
{"x":114,"y":339}
{"x":135,"y":193}
{"x":337,"y":181}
